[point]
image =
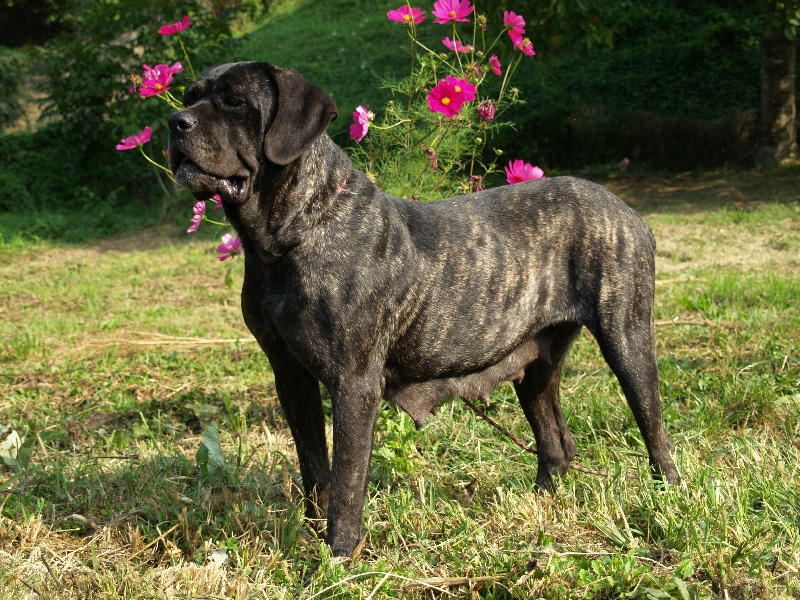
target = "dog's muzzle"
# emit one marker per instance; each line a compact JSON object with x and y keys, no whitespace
{"x":185,"y":164}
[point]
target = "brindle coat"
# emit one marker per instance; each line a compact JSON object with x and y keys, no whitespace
{"x":376,"y":296}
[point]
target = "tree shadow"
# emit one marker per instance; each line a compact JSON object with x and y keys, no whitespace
{"x":691,"y":193}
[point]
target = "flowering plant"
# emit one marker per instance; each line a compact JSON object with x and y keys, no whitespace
{"x":432,"y":136}
{"x":157,"y":82}
{"x":431,"y":142}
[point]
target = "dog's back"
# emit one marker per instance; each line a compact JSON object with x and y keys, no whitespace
{"x":501,"y":264}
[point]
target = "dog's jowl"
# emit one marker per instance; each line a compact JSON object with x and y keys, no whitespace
{"x":376,"y":296}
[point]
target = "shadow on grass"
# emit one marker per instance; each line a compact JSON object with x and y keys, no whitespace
{"x":693,"y":192}
{"x":140,"y":479}
{"x":76,"y":225}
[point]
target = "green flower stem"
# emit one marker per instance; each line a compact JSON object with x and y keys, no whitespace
{"x":171,"y":100}
{"x":475,"y":37}
{"x":445,"y":173}
{"x":423,"y":46}
{"x":433,"y":145}
{"x":494,"y":43}
{"x":174,"y":102}
{"x":388,"y":127}
{"x":500,"y":111}
{"x":485,"y":138}
{"x":370,"y":154}
{"x":155,"y":164}
{"x":413,"y":34}
{"x":186,"y":56}
{"x":430,"y":133}
{"x":399,"y":179}
{"x":458,"y":54}
{"x":213,"y":222}
{"x":508,"y":74}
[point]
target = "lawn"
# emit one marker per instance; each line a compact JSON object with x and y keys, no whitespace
{"x":118,"y":354}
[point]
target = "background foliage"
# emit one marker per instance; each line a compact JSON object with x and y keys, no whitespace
{"x":10,"y":72}
{"x":668,"y":85}
{"x":68,"y":163}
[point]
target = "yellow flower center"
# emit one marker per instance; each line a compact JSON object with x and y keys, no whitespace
{"x":458,"y":88}
{"x":445,"y":101}
{"x":406,"y":17}
{"x":453,"y":14}
{"x":159,"y":87}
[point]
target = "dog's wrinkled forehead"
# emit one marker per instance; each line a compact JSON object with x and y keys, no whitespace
{"x":288,"y":113}
{"x":233,"y":83}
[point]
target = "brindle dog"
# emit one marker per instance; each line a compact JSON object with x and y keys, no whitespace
{"x":376,"y":296}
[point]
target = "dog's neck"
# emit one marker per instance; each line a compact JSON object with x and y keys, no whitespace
{"x":288,"y":201}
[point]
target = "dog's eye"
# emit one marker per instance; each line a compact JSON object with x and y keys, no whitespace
{"x":233,"y":101}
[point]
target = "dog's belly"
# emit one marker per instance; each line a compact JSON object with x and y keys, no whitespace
{"x":475,"y":327}
{"x":419,"y":398}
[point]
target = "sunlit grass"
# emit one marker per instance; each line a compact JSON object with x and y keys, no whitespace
{"x":118,"y":354}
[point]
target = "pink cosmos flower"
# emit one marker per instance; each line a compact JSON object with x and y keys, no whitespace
{"x":456,"y":46}
{"x":199,"y":210}
{"x":465,"y":90}
{"x":445,"y":99}
{"x":359,"y":129}
{"x":218,"y":205}
{"x":514,"y":23}
{"x":140,"y":139}
{"x":407,"y":15}
{"x":494,"y":64}
{"x":452,"y":10}
{"x":524,"y":45}
{"x":230,"y":247}
{"x":184,"y":23}
{"x":449,"y":96}
{"x":156,"y":80}
{"x":486,"y":110}
{"x":518,"y":171}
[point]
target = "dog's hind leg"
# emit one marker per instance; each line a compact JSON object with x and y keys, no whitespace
{"x":539,"y":396}
{"x":629,"y":349}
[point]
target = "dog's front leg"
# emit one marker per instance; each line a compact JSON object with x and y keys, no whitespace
{"x":299,"y":395}
{"x":355,"y":408}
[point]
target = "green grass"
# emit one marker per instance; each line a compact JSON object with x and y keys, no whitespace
{"x":346,"y":47}
{"x":75,"y":225}
{"x":118,"y":354}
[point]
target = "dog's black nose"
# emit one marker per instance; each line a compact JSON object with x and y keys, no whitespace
{"x":182,"y":122}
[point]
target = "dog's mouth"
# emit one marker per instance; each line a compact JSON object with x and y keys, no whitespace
{"x":204,"y":184}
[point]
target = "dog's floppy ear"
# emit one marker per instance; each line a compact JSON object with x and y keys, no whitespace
{"x":304,"y":112}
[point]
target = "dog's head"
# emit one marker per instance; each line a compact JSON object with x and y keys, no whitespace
{"x":239,"y":117}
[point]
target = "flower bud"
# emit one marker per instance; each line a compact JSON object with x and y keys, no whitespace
{"x":486,"y":110}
